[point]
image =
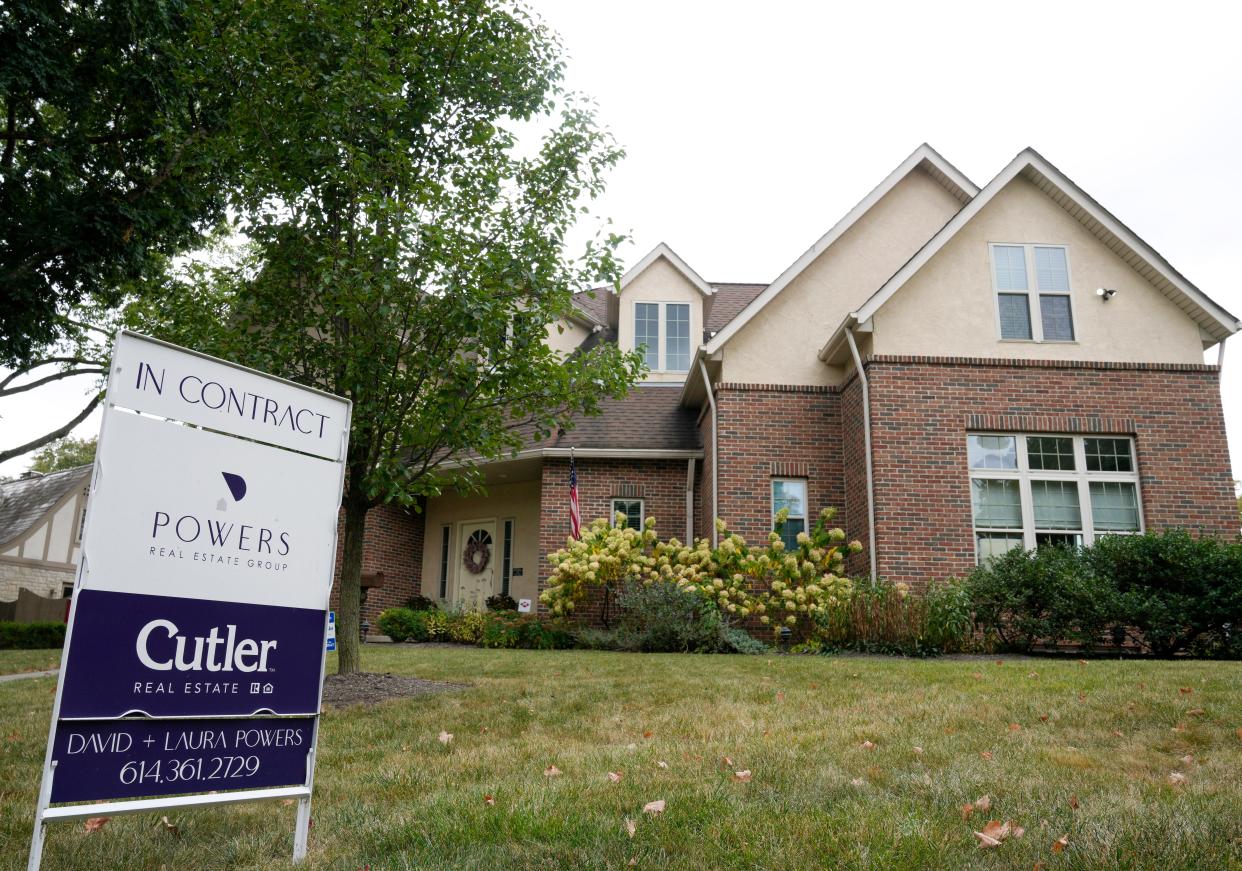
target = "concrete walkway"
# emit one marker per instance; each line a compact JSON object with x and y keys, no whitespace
{"x":5,"y":678}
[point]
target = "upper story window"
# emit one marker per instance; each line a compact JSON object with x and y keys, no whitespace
{"x":1032,"y":490}
{"x":1042,"y":313}
{"x":670,"y":320}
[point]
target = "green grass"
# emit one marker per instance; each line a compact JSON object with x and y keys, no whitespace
{"x":16,"y":661}
{"x":390,"y":795}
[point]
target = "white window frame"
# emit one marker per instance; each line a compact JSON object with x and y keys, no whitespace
{"x":663,"y":337}
{"x":1024,"y":475}
{"x":1032,"y":292}
{"x":642,"y":510}
{"x":806,"y":498}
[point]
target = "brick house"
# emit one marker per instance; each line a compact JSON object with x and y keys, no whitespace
{"x":960,"y":370}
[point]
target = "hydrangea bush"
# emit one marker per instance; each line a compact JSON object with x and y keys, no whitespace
{"x":778,"y":586}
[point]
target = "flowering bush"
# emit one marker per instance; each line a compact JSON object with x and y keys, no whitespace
{"x":778,"y":586}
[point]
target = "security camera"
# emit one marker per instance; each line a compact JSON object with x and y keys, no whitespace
{"x":1106,"y":292}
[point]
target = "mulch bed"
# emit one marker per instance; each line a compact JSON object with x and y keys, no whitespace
{"x":370,"y":688}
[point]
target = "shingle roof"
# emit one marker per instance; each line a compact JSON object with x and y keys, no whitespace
{"x":728,"y":301}
{"x":24,"y":501}
{"x":649,"y":418}
{"x":594,"y":303}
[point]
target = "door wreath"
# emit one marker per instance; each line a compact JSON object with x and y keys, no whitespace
{"x":478,"y":551}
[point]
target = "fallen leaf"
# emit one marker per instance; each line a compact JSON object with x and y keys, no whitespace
{"x":654,"y":807}
{"x":858,"y":781}
{"x":978,"y":675}
{"x":1082,"y":697}
{"x":1239,"y":733}
{"x":288,"y":801}
{"x":647,"y":734}
{"x":767,"y":732}
{"x":631,"y":746}
{"x":1015,"y":830}
{"x":1082,"y":662}
{"x":446,"y":737}
{"x":551,"y":771}
{"x":630,"y":828}
{"x":814,"y":686}
{"x":983,"y":802}
{"x":726,"y":761}
{"x":489,"y":800}
{"x":1073,"y":802}
{"x":986,"y":840}
{"x":1043,"y":718}
{"x":967,"y":810}
{"x":1014,"y":727}
{"x":780,"y":695}
{"x":615,"y":776}
{"x":918,"y":751}
{"x":986,"y":754}
{"x":1187,"y":759}
{"x":662,"y":764}
{"x":170,"y":827}
{"x":1033,"y":674}
{"x":1177,"y":778}
{"x":1039,"y":866}
{"x":867,"y":745}
{"x":1059,"y":845}
{"x":1000,"y":662}
{"x":94,"y":824}
{"x":633,"y":863}
{"x":1117,"y":733}
{"x":13,"y":736}
{"x":742,"y":776}
{"x":993,"y":833}
{"x":1185,"y":690}
{"x":484,"y":731}
{"x":1195,"y":712}
{"x":1180,"y":727}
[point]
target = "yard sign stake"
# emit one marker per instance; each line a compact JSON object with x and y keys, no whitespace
{"x":194,"y":657}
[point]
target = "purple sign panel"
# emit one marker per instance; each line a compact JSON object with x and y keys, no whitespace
{"x":135,"y":758}
{"x":162,"y":656}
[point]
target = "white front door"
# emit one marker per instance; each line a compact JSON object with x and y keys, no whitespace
{"x":477,"y":556}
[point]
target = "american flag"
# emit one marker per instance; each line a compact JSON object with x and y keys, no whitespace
{"x":575,"y":515}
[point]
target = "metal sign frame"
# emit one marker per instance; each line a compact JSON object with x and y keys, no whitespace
{"x":44,"y":813}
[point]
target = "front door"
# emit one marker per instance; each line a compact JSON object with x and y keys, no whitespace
{"x":476,"y":562}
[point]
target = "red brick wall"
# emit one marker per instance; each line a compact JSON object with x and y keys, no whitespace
{"x":769,"y":431}
{"x":661,"y":484}
{"x":854,"y":517}
{"x":703,"y":518}
{"x":394,"y":546}
{"x":923,"y":407}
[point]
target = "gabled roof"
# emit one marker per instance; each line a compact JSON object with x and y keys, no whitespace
{"x":924,"y":157}
{"x":1211,"y":317}
{"x":662,"y":250}
{"x":24,"y":502}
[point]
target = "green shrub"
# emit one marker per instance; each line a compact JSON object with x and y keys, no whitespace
{"x":31,"y":636}
{"x":508,"y":629}
{"x":437,"y":625}
{"x":666,"y":618}
{"x":404,"y":624}
{"x":465,"y":627}
{"x":1045,"y":596}
{"x":889,"y":618}
{"x":734,"y":640}
{"x":1181,"y":593}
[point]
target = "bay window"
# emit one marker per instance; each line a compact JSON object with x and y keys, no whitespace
{"x":1032,"y":490}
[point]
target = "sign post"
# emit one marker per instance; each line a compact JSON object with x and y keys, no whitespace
{"x":194,"y":656}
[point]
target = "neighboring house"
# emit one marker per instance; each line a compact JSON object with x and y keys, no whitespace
{"x":1031,"y":372}
{"x":41,"y":532}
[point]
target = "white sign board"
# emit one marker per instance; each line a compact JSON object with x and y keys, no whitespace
{"x":202,"y":592}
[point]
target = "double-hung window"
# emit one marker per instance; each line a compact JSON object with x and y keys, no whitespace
{"x":631,"y":509}
{"x":1032,"y":490}
{"x":1040,"y":313}
{"x":670,"y":320}
{"x":790,"y":494}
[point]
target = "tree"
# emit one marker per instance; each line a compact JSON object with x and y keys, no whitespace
{"x":67,"y":453}
{"x":108,"y":165}
{"x":407,"y":249}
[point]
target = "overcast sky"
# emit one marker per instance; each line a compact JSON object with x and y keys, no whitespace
{"x":751,"y":129}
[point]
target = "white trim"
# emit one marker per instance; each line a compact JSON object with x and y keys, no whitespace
{"x":662,"y":250}
{"x":1030,"y":163}
{"x":924,"y":154}
{"x":612,"y":509}
{"x":1080,"y":476}
{"x":1034,"y":296}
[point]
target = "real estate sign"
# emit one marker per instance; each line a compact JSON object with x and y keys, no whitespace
{"x":194,"y":655}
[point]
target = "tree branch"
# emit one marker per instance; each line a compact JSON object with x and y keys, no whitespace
{"x":54,"y":435}
{"x":46,"y":361}
{"x":48,"y":379}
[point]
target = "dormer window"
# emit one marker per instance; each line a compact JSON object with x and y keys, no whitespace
{"x":670,"y":320}
{"x":1011,"y":267}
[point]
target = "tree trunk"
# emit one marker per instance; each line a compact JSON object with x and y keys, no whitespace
{"x":348,"y":609}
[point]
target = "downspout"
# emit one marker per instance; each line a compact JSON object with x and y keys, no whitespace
{"x":866,"y":404}
{"x":711,"y":401}
{"x":1220,"y":356}
{"x":690,"y":501}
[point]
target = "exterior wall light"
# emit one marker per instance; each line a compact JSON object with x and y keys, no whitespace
{"x":1106,"y":293}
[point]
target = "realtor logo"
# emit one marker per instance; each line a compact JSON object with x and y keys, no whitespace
{"x":237,"y":485}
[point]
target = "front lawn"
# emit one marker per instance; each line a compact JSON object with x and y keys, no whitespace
{"x":18,"y":661}
{"x":1028,"y":733}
